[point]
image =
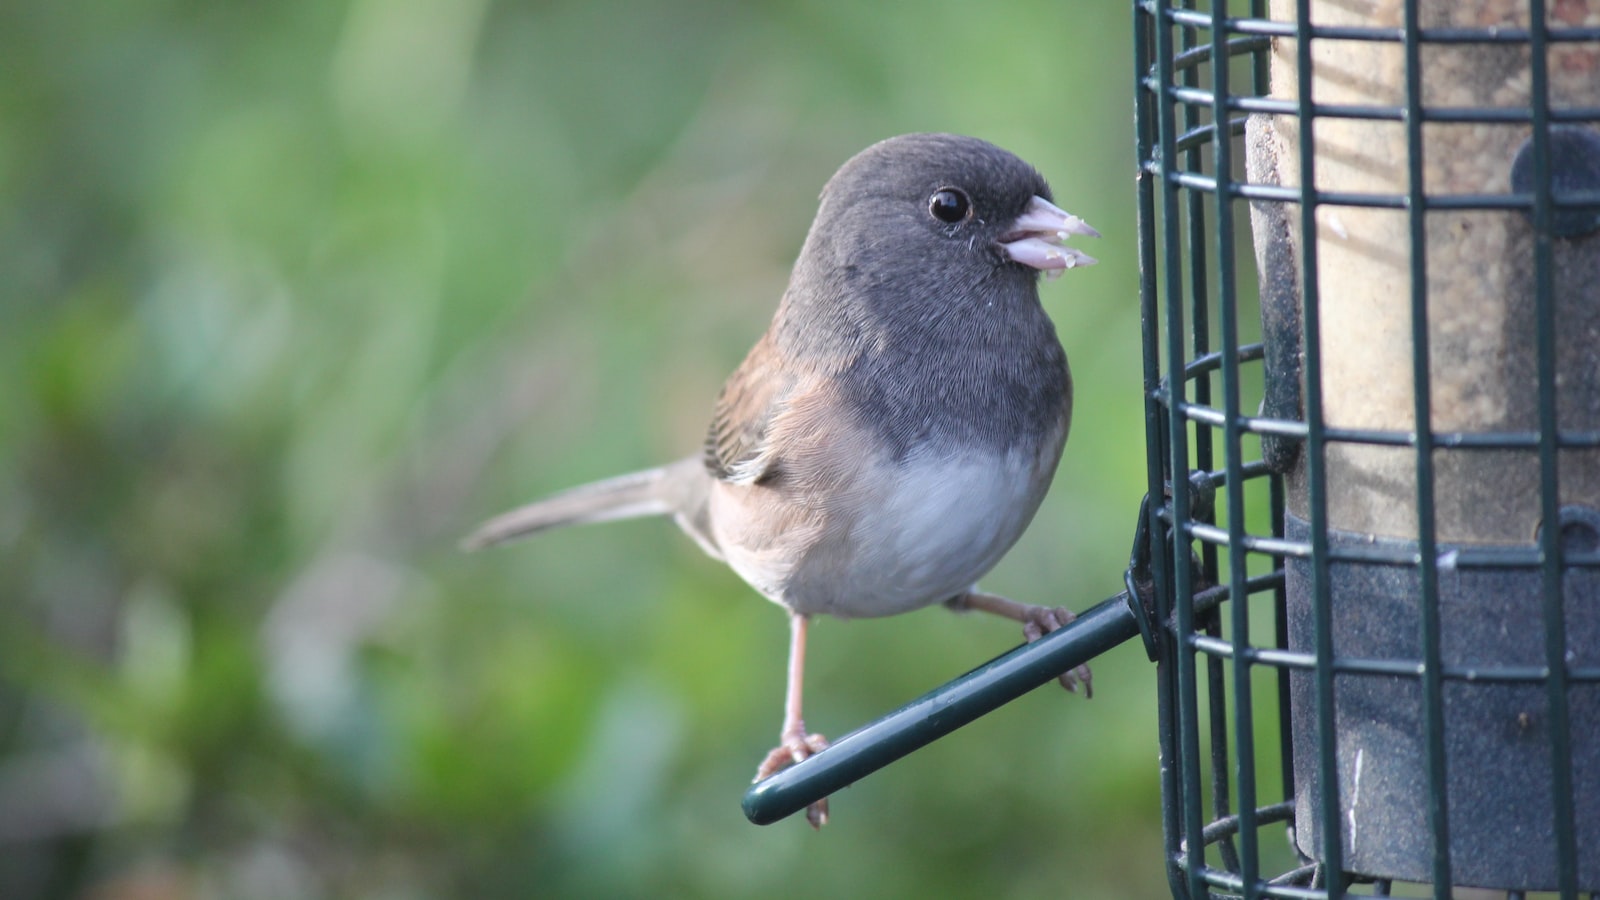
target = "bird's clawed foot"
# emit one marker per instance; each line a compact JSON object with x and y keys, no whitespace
{"x":1037,"y":621}
{"x":794,"y":744}
{"x":797,"y":746}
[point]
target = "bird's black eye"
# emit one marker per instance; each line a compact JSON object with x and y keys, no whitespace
{"x":949,"y":205}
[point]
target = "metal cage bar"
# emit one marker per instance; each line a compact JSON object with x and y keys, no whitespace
{"x":1550,"y":540}
{"x":1422,"y":394}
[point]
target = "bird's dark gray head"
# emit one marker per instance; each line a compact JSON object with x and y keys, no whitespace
{"x":918,"y":287}
{"x":925,"y":231}
{"x":922,"y":199}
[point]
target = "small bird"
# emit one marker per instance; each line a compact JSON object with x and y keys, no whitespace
{"x":893,"y":432}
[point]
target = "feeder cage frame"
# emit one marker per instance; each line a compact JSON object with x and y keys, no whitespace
{"x":1264,"y":695}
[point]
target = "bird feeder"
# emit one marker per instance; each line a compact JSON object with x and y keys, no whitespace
{"x":1419,"y":183}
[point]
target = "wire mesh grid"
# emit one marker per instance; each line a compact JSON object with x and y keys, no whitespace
{"x":1380,"y":672}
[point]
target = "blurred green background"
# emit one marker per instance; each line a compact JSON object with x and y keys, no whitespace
{"x":293,"y":294}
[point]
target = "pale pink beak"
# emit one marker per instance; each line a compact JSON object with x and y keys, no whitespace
{"x":1038,"y":238}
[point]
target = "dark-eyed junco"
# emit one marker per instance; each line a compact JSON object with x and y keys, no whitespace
{"x":891,"y":435}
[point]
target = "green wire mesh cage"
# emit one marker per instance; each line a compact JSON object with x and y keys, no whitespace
{"x":1371,"y":288}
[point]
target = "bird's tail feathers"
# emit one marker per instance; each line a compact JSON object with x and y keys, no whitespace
{"x":652,"y":492}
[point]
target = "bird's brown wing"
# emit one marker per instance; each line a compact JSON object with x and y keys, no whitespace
{"x":737,"y":446}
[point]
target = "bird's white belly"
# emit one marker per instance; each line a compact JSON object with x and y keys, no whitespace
{"x":942,"y":527}
{"x":927,"y":534}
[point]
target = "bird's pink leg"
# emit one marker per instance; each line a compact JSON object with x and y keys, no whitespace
{"x":1037,"y":621}
{"x":794,"y":744}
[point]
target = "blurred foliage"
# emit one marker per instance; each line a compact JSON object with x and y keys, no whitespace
{"x":292,"y":294}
